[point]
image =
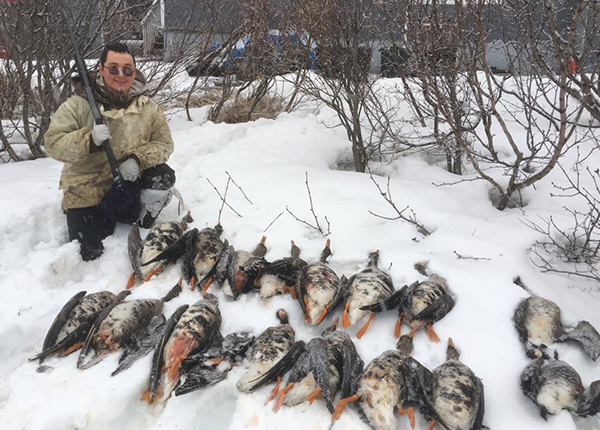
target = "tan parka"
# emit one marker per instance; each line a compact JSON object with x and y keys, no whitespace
{"x":140,"y":130}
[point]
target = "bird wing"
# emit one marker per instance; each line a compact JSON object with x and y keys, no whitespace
{"x":60,"y":320}
{"x":134,"y":249}
{"x":587,"y":336}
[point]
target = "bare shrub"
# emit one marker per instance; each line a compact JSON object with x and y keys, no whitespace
{"x":573,"y":249}
{"x":344,"y":34}
{"x":11,"y":93}
{"x":243,"y":108}
{"x":208,"y":96}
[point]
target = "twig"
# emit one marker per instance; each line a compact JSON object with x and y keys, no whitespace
{"x":223,"y":199}
{"x":272,"y":222}
{"x":387,"y":196}
{"x":239,"y":188}
{"x":462,"y":257}
{"x":303,"y":222}
{"x":312,"y":210}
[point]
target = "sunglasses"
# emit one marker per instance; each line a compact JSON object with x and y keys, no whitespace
{"x":114,"y":70}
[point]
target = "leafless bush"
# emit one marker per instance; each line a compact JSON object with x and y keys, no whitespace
{"x":407,"y":214}
{"x":343,"y":33}
{"x":573,"y":248}
{"x":267,"y":36}
{"x":562,"y":43}
{"x":487,"y":115}
{"x":11,"y":93}
{"x":205,"y":97}
{"x":243,"y":109}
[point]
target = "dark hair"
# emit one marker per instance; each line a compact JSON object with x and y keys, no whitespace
{"x":119,"y":47}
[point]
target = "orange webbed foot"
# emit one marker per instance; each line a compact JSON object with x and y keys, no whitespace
{"x":313,"y":395}
{"x":345,"y":317}
{"x":323,"y":315}
{"x":281,"y":397}
{"x":364,"y":328}
{"x":397,"y":329}
{"x":341,"y":406}
{"x":432,"y":334}
{"x":130,"y":281}
{"x":274,"y":390}
{"x":152,"y":273}
{"x":411,"y":414}
{"x":72,"y":348}
{"x":206,"y":285}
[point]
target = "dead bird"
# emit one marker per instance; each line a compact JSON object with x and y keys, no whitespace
{"x":319,"y":289}
{"x":388,"y":382}
{"x":538,"y":322}
{"x":201,"y":251}
{"x":272,"y":354}
{"x":453,"y":394}
{"x":421,"y":304}
{"x":365,"y":288}
{"x":159,"y":238}
{"x":329,"y":365}
{"x":237,"y":271}
{"x":191,"y":329}
{"x":118,"y":324}
{"x":280,"y":276}
{"x":555,"y":386}
{"x":72,"y":324}
{"x":205,"y":368}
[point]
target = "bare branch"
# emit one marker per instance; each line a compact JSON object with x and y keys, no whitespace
{"x":239,"y":188}
{"x":223,"y":198}
{"x":317,"y":225}
{"x":387,"y":196}
{"x":462,"y":257}
{"x":273,"y":222}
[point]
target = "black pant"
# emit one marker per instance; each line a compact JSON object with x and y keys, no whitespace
{"x":90,"y":226}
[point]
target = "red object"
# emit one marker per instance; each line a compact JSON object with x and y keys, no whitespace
{"x":3,"y":54}
{"x":572,"y":66}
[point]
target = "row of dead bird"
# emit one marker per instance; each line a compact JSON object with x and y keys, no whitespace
{"x":553,"y":384}
{"x":189,"y":348}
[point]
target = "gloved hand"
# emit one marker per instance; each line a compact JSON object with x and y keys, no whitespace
{"x":130,"y":169}
{"x":100,"y":133}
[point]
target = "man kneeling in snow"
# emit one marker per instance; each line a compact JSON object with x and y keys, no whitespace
{"x":140,"y":139}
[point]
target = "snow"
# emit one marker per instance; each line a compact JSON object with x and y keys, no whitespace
{"x":478,"y":249}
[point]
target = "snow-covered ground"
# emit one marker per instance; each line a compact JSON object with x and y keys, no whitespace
{"x":478,"y":249}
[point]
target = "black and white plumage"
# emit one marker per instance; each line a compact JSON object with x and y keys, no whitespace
{"x":118,"y":325}
{"x":538,"y":323}
{"x":201,"y":251}
{"x":273,"y":353}
{"x":556,"y":385}
{"x":365,"y":288}
{"x":74,"y":321}
{"x":386,"y":384}
{"x":421,"y":303}
{"x":205,"y":368}
{"x":454,"y":394}
{"x":329,"y":365}
{"x":159,"y":238}
{"x":237,"y":270}
{"x":280,"y":276}
{"x":190,"y":330}
{"x":319,"y":289}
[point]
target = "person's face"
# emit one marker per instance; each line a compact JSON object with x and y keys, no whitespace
{"x":118,"y":84}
